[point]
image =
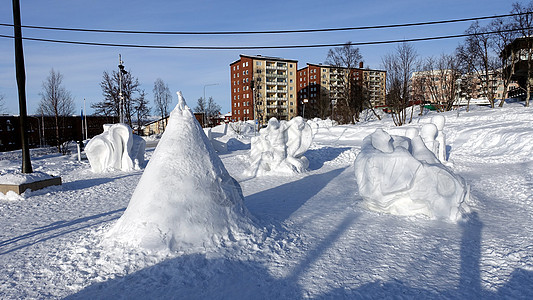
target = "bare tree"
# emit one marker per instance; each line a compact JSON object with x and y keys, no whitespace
{"x":162,"y":98}
{"x":439,"y":81}
{"x":141,"y":109}
{"x":502,"y":37}
{"x":200,"y":105}
{"x":351,"y":102}
{"x":399,"y":66}
{"x":210,"y":109}
{"x":56,"y":101}
{"x":2,"y":104}
{"x":110,"y":106}
{"x":477,"y":52}
{"x":524,"y":23}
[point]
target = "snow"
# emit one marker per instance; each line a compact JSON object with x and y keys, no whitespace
{"x":280,"y":147}
{"x":15,"y":177}
{"x":185,"y":198}
{"x":314,"y":236}
{"x":115,"y":148}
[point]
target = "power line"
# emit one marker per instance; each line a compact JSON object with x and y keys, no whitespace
{"x":266,"y":31}
{"x":264,"y":47}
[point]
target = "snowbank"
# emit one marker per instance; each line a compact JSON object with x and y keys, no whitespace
{"x":15,"y":177}
{"x":116,"y":148}
{"x":400,"y":175}
{"x":280,"y":147}
{"x":185,"y":198}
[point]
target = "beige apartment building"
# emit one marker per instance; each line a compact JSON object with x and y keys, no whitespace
{"x":321,"y":86}
{"x":441,"y":86}
{"x":263,"y":87}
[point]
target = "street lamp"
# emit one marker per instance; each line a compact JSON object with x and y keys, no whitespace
{"x":206,"y":85}
{"x":304,"y":102}
{"x":120,"y":96}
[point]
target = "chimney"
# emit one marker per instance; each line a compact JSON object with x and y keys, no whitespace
{"x":360,"y":65}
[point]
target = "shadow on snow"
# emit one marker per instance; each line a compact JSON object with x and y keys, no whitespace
{"x":56,"y":229}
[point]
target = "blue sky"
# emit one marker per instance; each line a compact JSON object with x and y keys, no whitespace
{"x":191,"y":70}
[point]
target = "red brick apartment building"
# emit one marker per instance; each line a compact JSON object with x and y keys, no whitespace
{"x":263,"y":87}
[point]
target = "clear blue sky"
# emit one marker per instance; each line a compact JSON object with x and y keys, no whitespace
{"x":190,"y":70}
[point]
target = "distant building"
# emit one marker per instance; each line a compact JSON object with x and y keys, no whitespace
{"x":436,"y":86}
{"x":323,"y":85}
{"x":515,"y":63}
{"x":158,"y":126}
{"x":263,"y":87}
{"x":42,"y":130}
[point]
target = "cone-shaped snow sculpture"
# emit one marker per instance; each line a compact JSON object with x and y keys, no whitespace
{"x":185,"y":197}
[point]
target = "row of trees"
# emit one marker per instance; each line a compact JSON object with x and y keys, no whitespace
{"x":474,"y":63}
{"x":58,"y":102}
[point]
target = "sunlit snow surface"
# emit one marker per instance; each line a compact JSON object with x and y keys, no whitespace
{"x":314,"y":238}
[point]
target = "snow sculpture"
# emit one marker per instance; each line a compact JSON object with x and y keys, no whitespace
{"x":439,"y":121}
{"x":395,"y":179}
{"x":429,"y":134}
{"x":185,"y":198}
{"x":115,"y":149}
{"x":280,"y":147}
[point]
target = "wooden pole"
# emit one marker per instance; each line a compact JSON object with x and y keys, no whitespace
{"x":21,"y":83}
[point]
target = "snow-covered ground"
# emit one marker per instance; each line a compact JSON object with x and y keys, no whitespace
{"x":314,"y":238}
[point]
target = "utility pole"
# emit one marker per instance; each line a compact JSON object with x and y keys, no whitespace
{"x":120,"y":96}
{"x":21,"y":83}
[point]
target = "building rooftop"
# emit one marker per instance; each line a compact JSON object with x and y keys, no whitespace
{"x":264,"y":58}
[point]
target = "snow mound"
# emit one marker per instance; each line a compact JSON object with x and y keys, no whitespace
{"x":280,"y":147}
{"x":115,"y":149}
{"x":16,"y":177}
{"x":185,"y":198}
{"x":401,"y":176}
{"x":241,"y":128}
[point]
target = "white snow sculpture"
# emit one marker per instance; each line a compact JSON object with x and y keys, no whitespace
{"x":280,"y":147}
{"x":115,"y":149}
{"x":185,"y":198}
{"x":428,"y":132}
{"x":439,"y":121}
{"x":394,"y":180}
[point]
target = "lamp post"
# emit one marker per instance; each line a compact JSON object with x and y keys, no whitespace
{"x":304,"y":102}
{"x":120,"y":96}
{"x":205,"y":100}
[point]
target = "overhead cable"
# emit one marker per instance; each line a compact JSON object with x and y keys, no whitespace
{"x":267,"y":31}
{"x":264,"y":47}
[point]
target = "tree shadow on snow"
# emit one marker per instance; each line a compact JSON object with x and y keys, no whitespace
{"x":278,"y":203}
{"x":195,"y":277}
{"x":89,"y":183}
{"x":56,"y":229}
{"x":317,"y":157}
{"x":519,"y":286}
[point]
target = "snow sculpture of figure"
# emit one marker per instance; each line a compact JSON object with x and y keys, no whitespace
{"x":280,"y":147}
{"x":185,"y":198}
{"x":428,"y":132}
{"x":439,"y":121}
{"x":116,"y":148}
{"x":396,"y":180}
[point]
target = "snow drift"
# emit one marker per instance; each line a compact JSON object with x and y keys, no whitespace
{"x":400,"y":175}
{"x":185,"y":197}
{"x":115,"y":149}
{"x":280,"y":147}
